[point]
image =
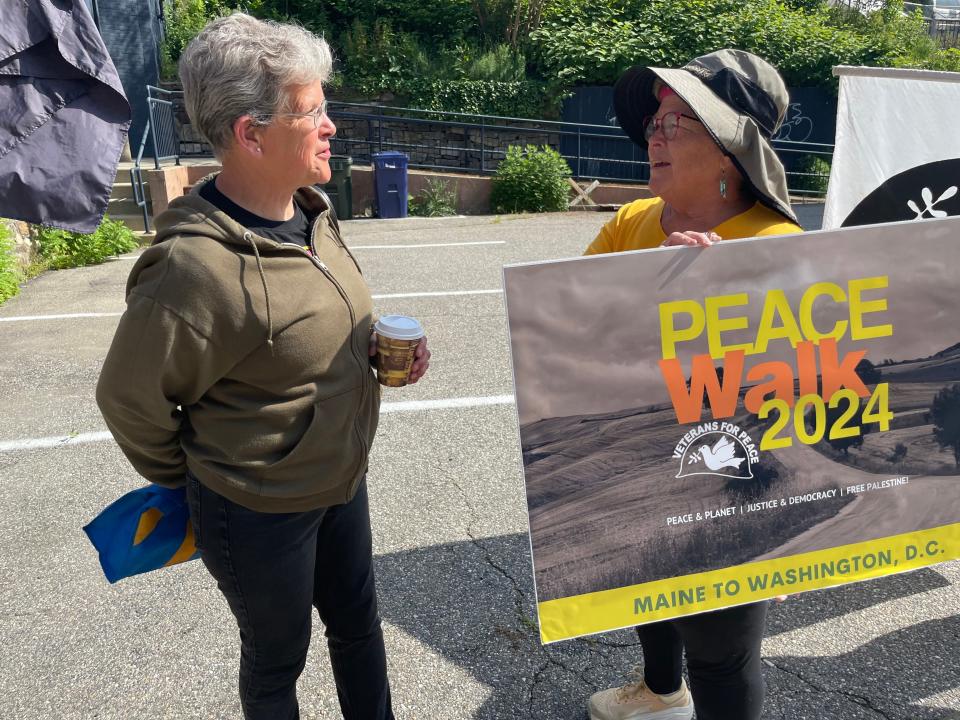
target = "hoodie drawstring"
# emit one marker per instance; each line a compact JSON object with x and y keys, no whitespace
{"x":266,"y":291}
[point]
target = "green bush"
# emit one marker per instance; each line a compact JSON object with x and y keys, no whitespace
{"x":527,"y":99}
{"x":380,"y":57}
{"x":502,"y":64}
{"x":804,"y":40}
{"x":183,"y":21}
{"x":436,"y":200}
{"x":10,"y":275}
{"x":530,"y":179}
{"x":60,"y":249}
{"x":810,"y":173}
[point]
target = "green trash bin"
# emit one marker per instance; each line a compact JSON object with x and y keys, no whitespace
{"x":340,"y":188}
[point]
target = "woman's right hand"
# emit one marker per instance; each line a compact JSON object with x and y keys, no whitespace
{"x":691,"y":239}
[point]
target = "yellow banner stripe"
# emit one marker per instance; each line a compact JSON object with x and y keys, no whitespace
{"x":596,"y":612}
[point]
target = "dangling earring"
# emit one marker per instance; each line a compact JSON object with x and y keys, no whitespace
{"x":723,"y":183}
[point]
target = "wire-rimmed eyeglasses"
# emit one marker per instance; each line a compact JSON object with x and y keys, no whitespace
{"x":317,"y":114}
{"x":669,"y":123}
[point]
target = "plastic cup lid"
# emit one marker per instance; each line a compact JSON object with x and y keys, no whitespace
{"x":399,"y":327}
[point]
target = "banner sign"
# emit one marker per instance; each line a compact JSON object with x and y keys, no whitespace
{"x":703,"y":428}
{"x":883,"y":171}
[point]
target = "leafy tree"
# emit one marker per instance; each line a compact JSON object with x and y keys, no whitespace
{"x":803,"y":39}
{"x":898,"y":454}
{"x":868,"y":372}
{"x":945,"y":413}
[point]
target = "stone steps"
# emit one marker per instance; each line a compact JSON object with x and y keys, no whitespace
{"x":123,"y":207}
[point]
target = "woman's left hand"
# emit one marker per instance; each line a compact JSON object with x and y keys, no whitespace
{"x":421,"y":358}
{"x":421,"y":362}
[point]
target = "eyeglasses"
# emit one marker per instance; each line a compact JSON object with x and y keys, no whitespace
{"x":668,"y":123}
{"x":317,"y":115}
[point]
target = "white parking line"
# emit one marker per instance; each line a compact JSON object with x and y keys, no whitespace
{"x":49,"y":442}
{"x":9,"y":446}
{"x":427,"y":245}
{"x":438,"y":294}
{"x":445,"y":404}
{"x":68,"y":316}
{"x":71,"y":316}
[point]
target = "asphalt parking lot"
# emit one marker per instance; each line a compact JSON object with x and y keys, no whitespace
{"x":450,"y":531}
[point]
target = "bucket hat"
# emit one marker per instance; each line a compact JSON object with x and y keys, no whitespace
{"x":741,"y":101}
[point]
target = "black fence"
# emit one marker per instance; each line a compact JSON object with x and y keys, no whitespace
{"x":946,"y":32}
{"x":456,"y":142}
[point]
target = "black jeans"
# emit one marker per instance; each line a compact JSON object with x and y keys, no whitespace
{"x":273,"y":568}
{"x":723,"y":660}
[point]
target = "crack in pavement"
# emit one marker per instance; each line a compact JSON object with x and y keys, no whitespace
{"x":520,"y":597}
{"x":533,"y":686}
{"x":860,"y":700}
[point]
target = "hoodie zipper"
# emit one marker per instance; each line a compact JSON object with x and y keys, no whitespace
{"x":339,"y":241}
{"x":364,"y":366}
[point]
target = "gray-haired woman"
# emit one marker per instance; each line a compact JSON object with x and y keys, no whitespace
{"x":242,"y":368}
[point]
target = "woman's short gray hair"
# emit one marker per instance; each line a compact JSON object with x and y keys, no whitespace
{"x":239,"y":65}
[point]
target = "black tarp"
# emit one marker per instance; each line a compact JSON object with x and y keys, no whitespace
{"x":63,"y":115}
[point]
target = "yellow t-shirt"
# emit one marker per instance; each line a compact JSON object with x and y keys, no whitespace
{"x":636,"y":226}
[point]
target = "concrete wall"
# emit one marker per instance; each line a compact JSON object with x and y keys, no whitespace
{"x":132,"y":33}
{"x":473,"y":191}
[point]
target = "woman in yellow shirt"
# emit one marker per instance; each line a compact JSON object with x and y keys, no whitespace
{"x":707,"y":128}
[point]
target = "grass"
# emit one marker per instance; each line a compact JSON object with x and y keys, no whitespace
{"x":10,"y":274}
{"x":60,"y":249}
{"x":437,"y":199}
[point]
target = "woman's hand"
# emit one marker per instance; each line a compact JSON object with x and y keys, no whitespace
{"x":691,"y":239}
{"x":421,"y":358}
{"x":421,"y":362}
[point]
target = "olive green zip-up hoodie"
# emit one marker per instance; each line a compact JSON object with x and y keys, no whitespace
{"x":245,"y":361}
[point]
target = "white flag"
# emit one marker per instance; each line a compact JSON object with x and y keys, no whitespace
{"x":897,"y":154}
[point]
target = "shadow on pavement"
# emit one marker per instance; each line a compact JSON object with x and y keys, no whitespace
{"x":473,"y":603}
{"x":890,"y":674}
{"x":801,"y":611}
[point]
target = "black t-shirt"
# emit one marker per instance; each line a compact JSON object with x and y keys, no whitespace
{"x":296,"y":230}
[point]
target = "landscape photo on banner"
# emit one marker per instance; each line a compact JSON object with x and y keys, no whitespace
{"x":702,"y":428}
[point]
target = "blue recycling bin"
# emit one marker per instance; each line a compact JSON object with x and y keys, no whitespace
{"x":390,"y":183}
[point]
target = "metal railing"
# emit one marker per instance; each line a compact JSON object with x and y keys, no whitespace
{"x":166,"y":144}
{"x":946,"y":32}
{"x":136,"y":180}
{"x":485,"y":138}
{"x":585,"y":147}
{"x":477,"y":143}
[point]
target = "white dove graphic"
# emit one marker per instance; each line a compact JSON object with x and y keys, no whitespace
{"x":721,"y":455}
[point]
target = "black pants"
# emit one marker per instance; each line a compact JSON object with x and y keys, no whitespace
{"x":723,"y":660}
{"x":273,"y":568}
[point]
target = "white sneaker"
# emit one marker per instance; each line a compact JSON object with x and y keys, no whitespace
{"x":635,"y":701}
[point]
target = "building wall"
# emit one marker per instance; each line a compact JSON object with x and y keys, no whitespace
{"x":132,"y":32}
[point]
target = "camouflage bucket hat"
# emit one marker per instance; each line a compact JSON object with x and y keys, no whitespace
{"x":741,"y":100}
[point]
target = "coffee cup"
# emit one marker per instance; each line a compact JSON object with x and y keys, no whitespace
{"x":397,"y":340}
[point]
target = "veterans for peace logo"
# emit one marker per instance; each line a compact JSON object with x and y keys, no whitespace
{"x":925,"y":191}
{"x":716,"y":448}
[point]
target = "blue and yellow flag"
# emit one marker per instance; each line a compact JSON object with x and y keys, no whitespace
{"x":144,"y":530}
